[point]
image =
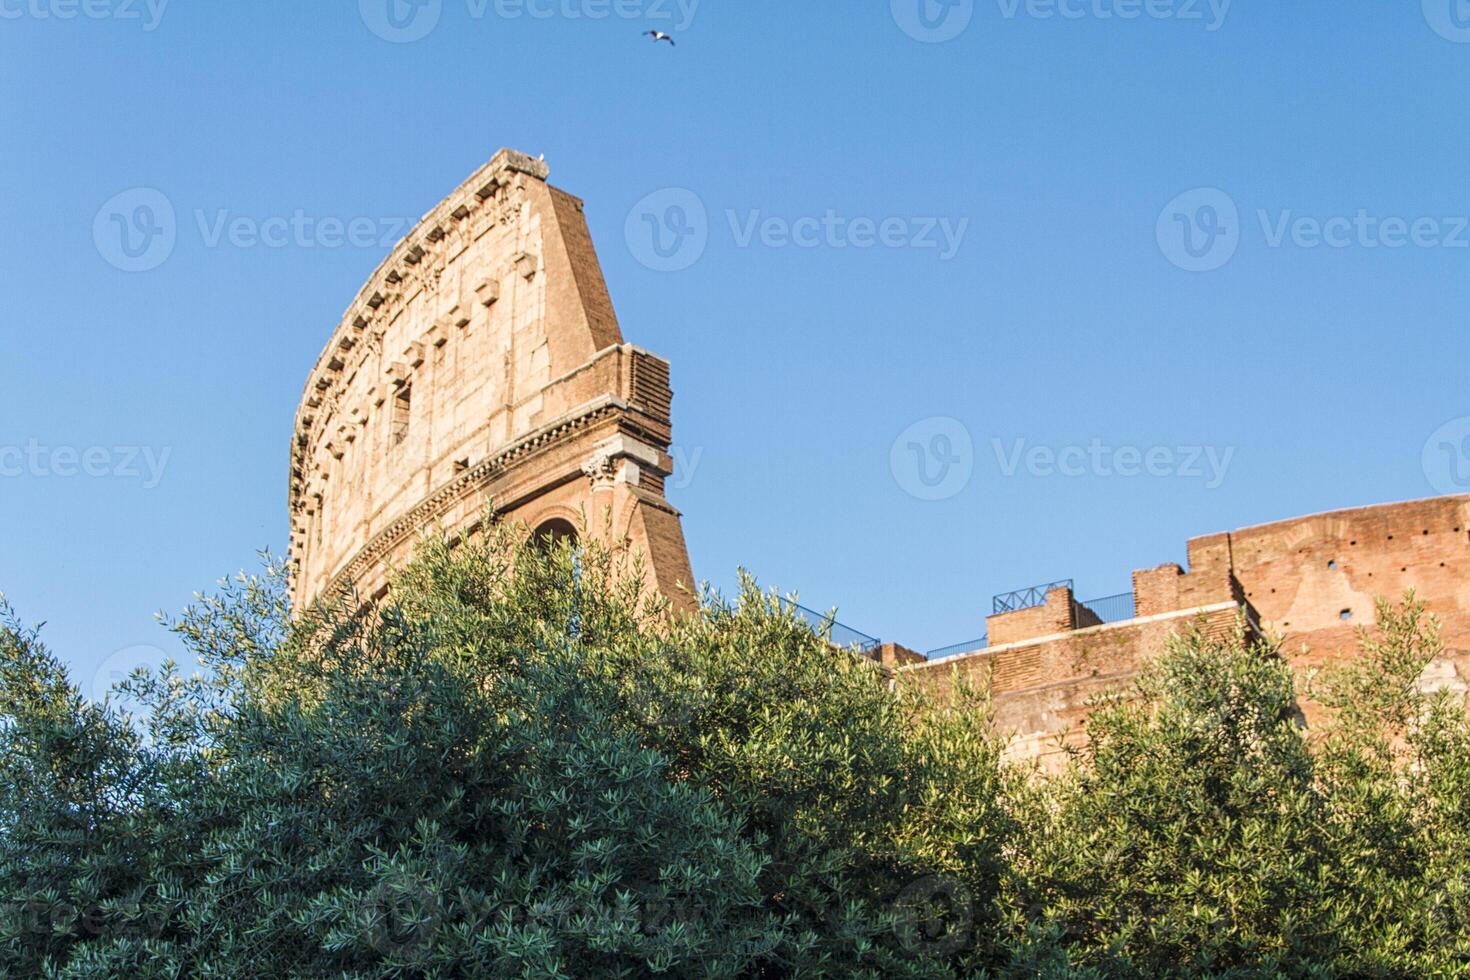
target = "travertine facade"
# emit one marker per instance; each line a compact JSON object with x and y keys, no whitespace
{"x":1311,"y":581}
{"x":482,"y":362}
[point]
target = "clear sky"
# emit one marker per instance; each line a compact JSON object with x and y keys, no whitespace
{"x":959,"y":298}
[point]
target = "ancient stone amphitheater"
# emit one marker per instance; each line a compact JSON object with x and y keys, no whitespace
{"x":483,"y":362}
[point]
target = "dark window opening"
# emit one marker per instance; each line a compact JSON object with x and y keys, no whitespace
{"x":551,"y":534}
{"x":402,"y":413}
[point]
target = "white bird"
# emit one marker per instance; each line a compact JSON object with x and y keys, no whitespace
{"x":659,"y":36}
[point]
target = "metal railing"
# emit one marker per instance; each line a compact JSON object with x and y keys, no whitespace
{"x":1112,"y":608}
{"x":843,"y":636}
{"x":955,"y":649}
{"x":1026,"y":598}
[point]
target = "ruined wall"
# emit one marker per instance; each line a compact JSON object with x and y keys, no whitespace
{"x":1042,"y":684}
{"x":1294,"y":579}
{"x":1314,"y":579}
{"x":482,"y":361}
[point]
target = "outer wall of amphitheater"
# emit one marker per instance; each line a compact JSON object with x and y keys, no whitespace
{"x":482,"y":364}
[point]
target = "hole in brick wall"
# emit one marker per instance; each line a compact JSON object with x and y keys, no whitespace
{"x":1426,"y":530}
{"x":1390,"y":537}
{"x":1404,"y":569}
{"x":1353,"y":543}
{"x":1332,"y":565}
{"x":1346,"y":614}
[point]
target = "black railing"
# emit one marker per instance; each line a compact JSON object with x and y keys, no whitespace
{"x":955,"y":649}
{"x":1026,"y":598}
{"x":843,"y":636}
{"x":1110,"y":609}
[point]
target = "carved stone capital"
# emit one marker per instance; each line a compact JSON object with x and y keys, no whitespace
{"x":602,"y":471}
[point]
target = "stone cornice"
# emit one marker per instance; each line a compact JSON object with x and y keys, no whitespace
{"x":606,"y":408}
{"x":415,"y":263}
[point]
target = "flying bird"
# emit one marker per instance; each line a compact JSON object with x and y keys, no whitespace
{"x":659,"y":36}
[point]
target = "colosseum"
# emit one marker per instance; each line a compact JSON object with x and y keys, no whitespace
{"x":1310,"y":582}
{"x":483,"y":363}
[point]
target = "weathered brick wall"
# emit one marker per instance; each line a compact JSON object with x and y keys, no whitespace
{"x":1042,"y":688}
{"x":1056,"y":615}
{"x":1296,"y":579}
{"x":1314,"y":579}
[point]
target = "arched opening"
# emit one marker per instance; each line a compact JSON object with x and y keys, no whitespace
{"x":551,"y":534}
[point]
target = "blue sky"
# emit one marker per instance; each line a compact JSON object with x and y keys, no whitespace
{"x":966,"y":297}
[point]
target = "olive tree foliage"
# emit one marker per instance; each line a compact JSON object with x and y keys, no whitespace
{"x":1204,"y":831}
{"x":524,"y":763}
{"x":521,"y":764}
